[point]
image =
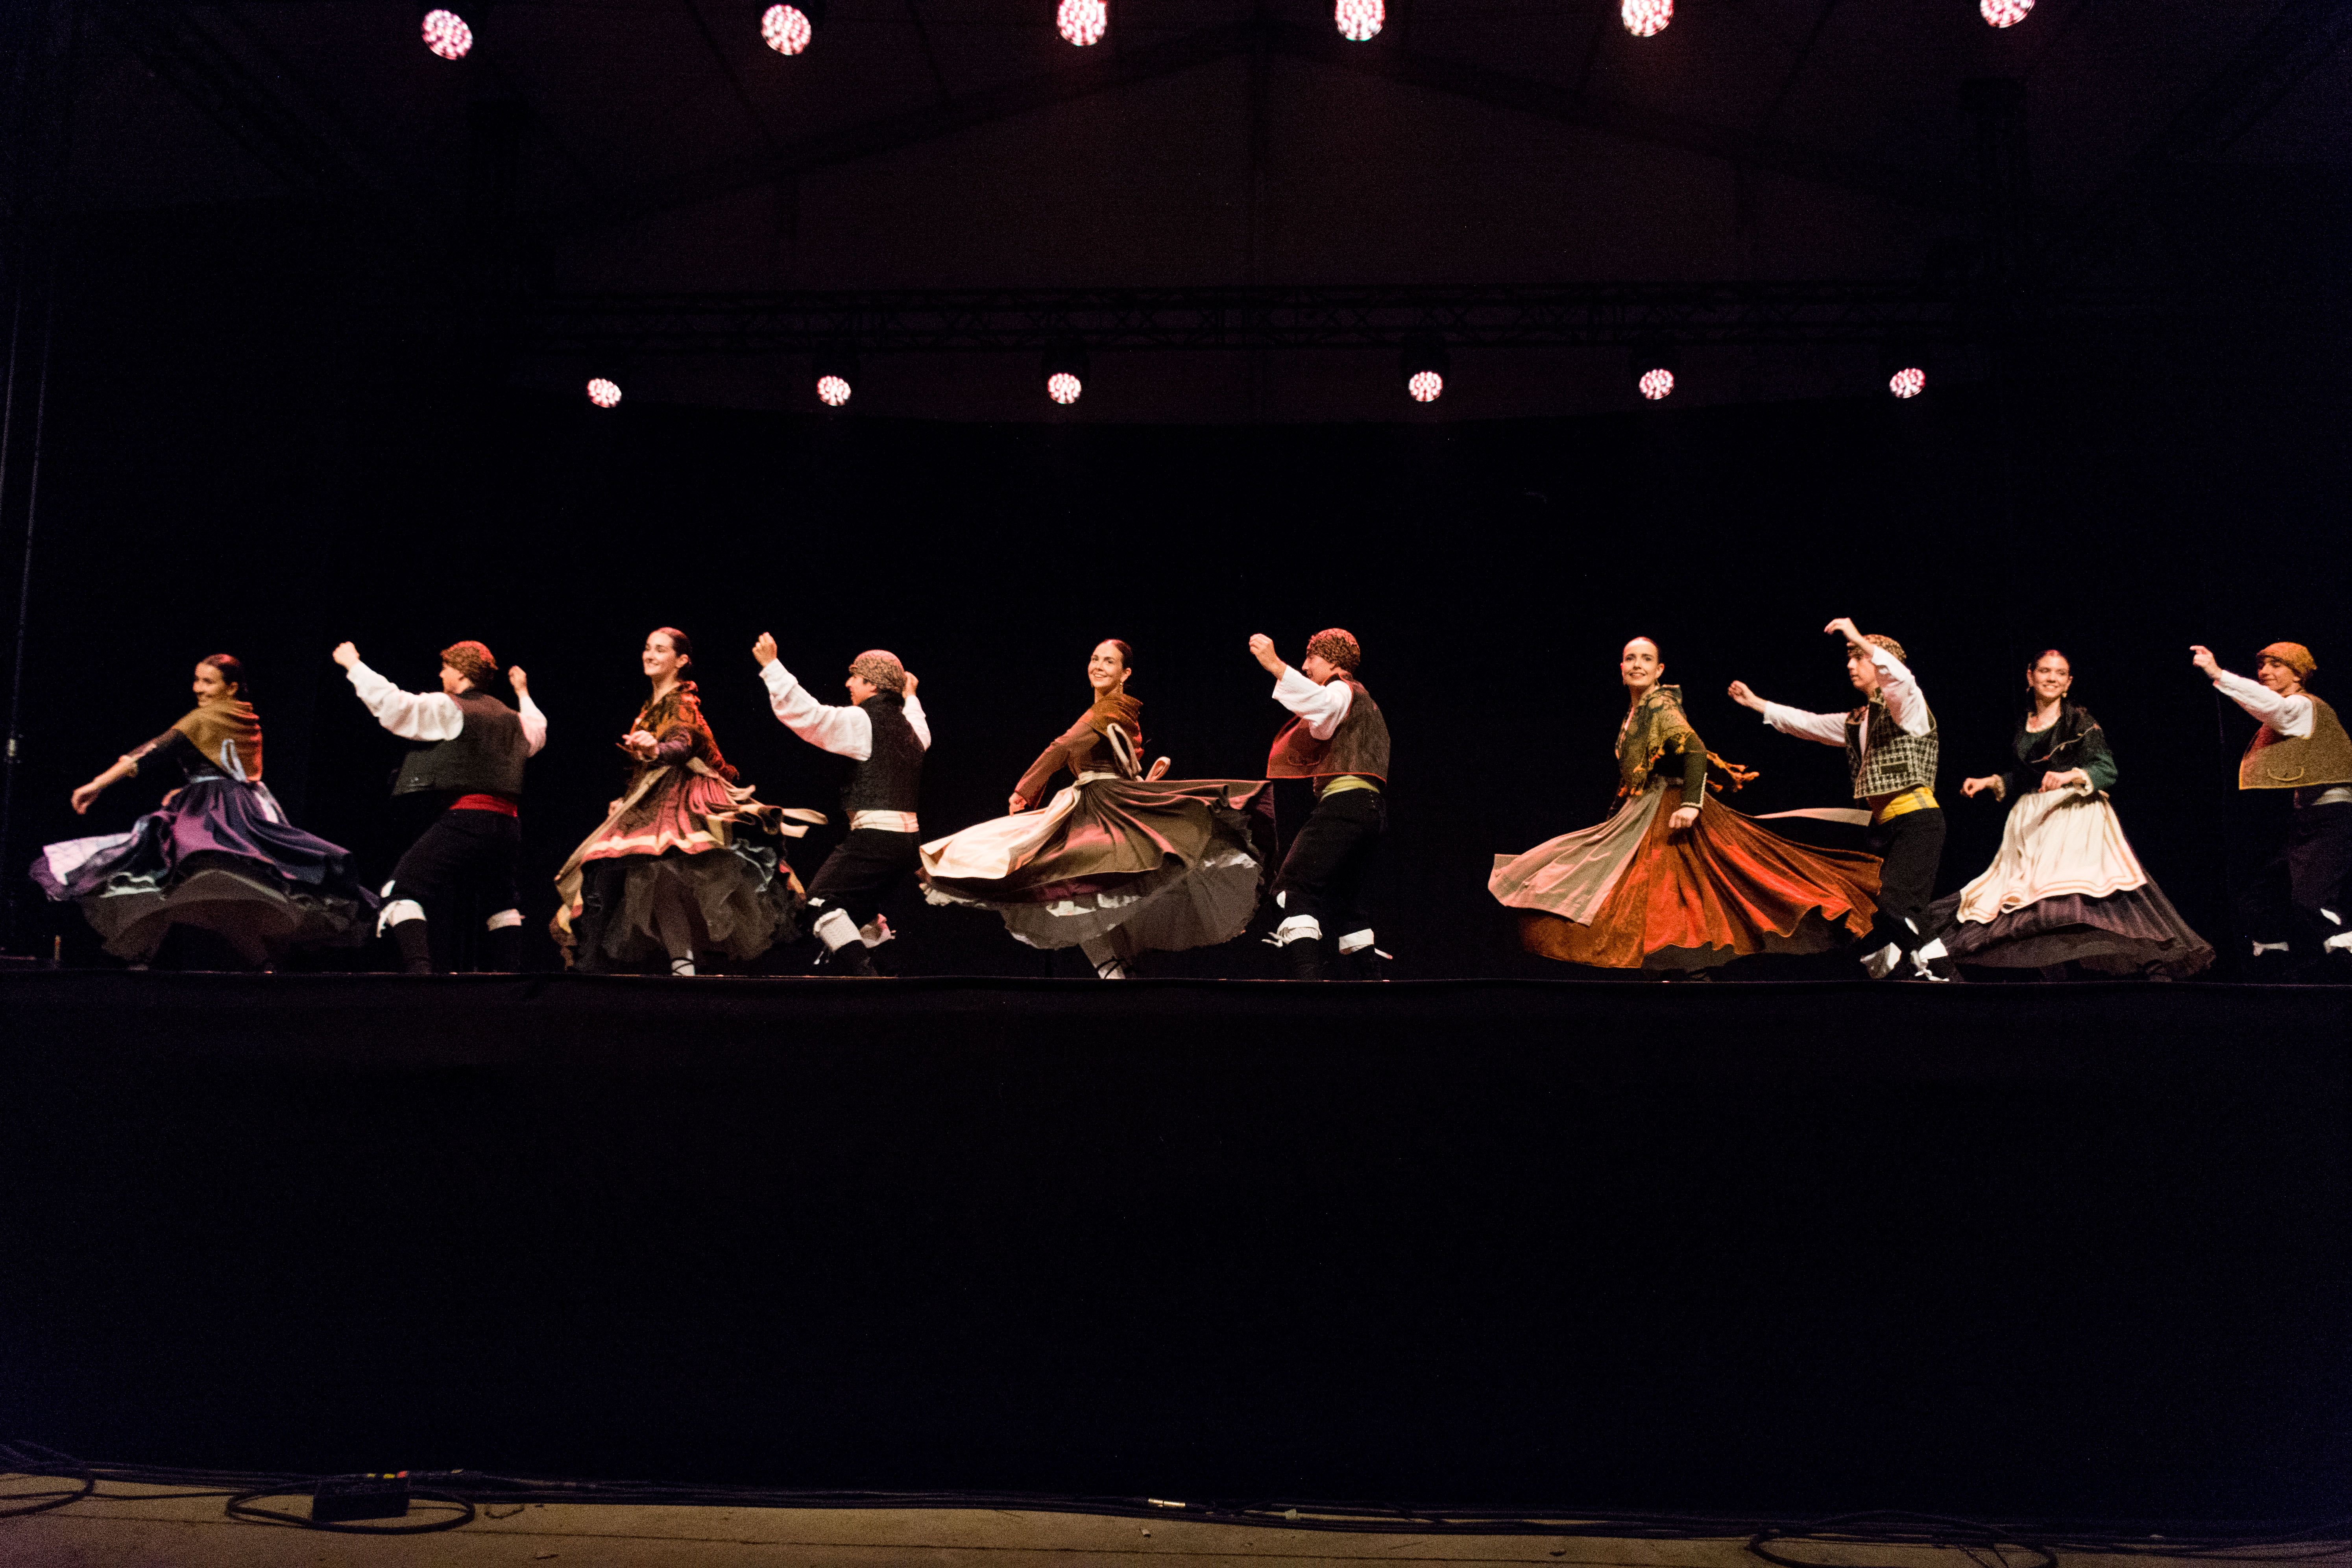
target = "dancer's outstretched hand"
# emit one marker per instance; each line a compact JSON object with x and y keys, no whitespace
{"x":1744,"y":697}
{"x":519,"y":681}
{"x":1974,"y":787}
{"x":86,"y":793}
{"x":911,"y":683}
{"x":1845,"y":624}
{"x":1262,"y":650}
{"x":345,"y":654}
{"x":1014,"y":806}
{"x":2202,"y":658}
{"x":764,"y":650}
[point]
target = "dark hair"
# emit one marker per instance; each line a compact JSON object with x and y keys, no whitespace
{"x":678,"y":640}
{"x":232,"y":672}
{"x":1126,"y":653}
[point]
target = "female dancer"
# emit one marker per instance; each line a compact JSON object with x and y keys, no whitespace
{"x":1118,"y":863}
{"x":687,"y":862}
{"x":1674,"y":880}
{"x":219,"y":854}
{"x":2066,"y":886}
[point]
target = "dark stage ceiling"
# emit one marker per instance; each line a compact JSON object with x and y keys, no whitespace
{"x":604,"y":151}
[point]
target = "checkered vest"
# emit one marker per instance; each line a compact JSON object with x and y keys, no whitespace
{"x":1898,"y":760}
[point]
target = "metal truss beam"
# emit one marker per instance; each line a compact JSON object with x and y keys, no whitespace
{"x":997,"y":320}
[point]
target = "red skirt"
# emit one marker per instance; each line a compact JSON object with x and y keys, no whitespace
{"x":1720,"y":890}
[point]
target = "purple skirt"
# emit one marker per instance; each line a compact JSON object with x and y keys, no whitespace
{"x":221,"y":857}
{"x":2133,"y":932}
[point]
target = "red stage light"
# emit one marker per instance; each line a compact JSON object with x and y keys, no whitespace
{"x":1082,"y":21}
{"x":1657,"y":384}
{"x":1360,"y":19}
{"x":1062,"y":387}
{"x":1425,"y":385}
{"x":832,"y":391}
{"x":1646,"y":19}
{"x":1908,"y":381}
{"x":604,"y":394}
{"x":447,"y":35}
{"x":785,"y":30}
{"x":2004,"y":13}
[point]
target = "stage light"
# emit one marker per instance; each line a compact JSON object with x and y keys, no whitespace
{"x":2005,"y":12}
{"x":1064,"y":369}
{"x":1359,"y":20}
{"x":832,"y":391}
{"x":1908,"y":381}
{"x":834,"y":368}
{"x":1082,"y":21}
{"x":447,"y":35}
{"x":1646,"y":19}
{"x":1657,"y":384}
{"x":1424,"y":366}
{"x":604,"y":394}
{"x":786,"y":29}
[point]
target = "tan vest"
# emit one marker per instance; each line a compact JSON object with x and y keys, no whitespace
{"x":2324,"y":757}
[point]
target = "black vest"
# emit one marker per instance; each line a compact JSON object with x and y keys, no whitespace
{"x":891,"y":778}
{"x":487,"y":757}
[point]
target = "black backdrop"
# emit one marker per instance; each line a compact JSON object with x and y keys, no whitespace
{"x":245,"y":457}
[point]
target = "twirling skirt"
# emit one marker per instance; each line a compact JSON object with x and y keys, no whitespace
{"x":1633,"y":894}
{"x":222,"y":857}
{"x":1165,"y":866}
{"x":2067,"y":887}
{"x":683,"y":838}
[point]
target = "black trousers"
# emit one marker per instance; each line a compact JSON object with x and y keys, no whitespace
{"x":464,"y":852}
{"x":862,"y":870}
{"x":1912,"y":849}
{"x":1325,"y":872}
{"x":2304,"y":881}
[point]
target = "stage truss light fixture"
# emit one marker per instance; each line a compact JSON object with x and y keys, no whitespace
{"x":1360,"y":20}
{"x":1646,"y":19}
{"x":1065,"y":369}
{"x":447,"y":35}
{"x":787,"y":30}
{"x":1908,"y":382}
{"x":604,"y":391}
{"x":1424,"y":364}
{"x":1082,"y":21}
{"x":836,"y":373}
{"x":1657,"y":384}
{"x":2004,"y":13}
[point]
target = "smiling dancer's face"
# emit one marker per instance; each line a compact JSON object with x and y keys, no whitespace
{"x":1107,"y":668}
{"x":1639,"y":666}
{"x":210,"y":688}
{"x":2050,"y":677}
{"x":2278,"y":675}
{"x":661,"y":658}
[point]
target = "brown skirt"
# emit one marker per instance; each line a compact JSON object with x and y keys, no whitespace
{"x":1166,"y":865}
{"x":1654,"y":898}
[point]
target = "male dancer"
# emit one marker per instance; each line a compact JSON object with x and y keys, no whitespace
{"x":474,"y":750}
{"x":1337,"y":738}
{"x":2298,"y":905}
{"x":1890,"y":748}
{"x":884,"y":734}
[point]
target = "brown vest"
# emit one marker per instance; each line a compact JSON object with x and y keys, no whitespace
{"x":2274,"y":760}
{"x":1359,"y":746}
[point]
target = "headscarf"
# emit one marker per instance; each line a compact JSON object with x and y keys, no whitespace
{"x":882,"y":667}
{"x":470,"y":659}
{"x":1339,"y":647}
{"x":1888,"y":643}
{"x":2294,"y":655}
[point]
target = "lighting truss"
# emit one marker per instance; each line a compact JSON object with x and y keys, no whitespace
{"x":990,"y":321}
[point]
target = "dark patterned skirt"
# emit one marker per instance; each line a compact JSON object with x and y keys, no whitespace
{"x":1148,"y":866}
{"x":220,"y":857}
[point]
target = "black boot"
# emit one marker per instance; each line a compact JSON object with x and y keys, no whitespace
{"x":1305,"y":955}
{"x":415,"y":948}
{"x":852,"y":959}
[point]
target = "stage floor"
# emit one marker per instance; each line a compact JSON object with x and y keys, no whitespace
{"x":2008,"y":1250}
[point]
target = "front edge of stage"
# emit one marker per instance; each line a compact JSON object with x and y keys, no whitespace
{"x":1991,"y":1249}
